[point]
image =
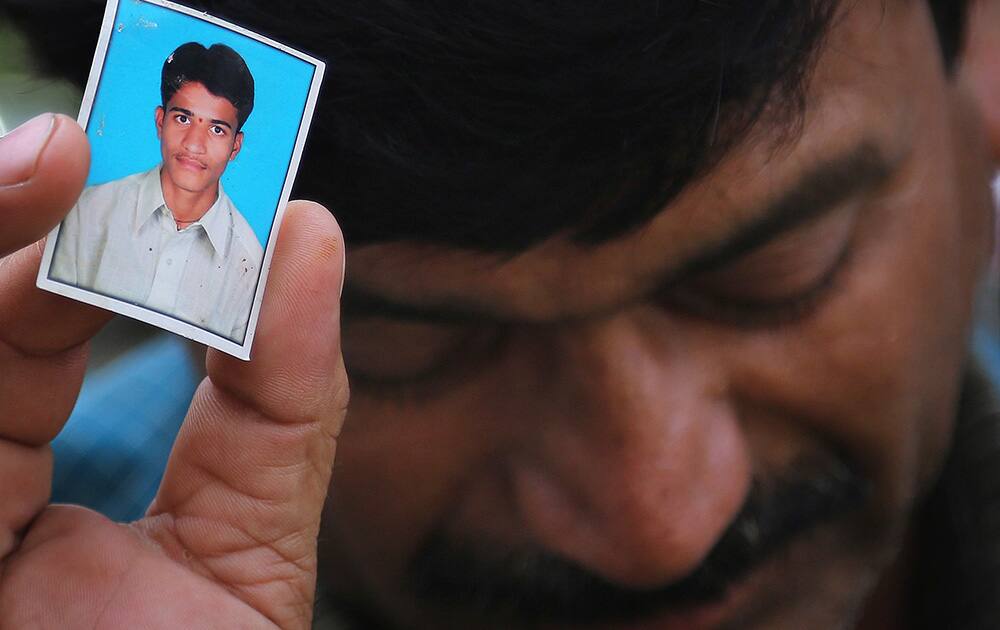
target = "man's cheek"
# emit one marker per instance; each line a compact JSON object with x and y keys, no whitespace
{"x":439,"y":444}
{"x":867,"y":375}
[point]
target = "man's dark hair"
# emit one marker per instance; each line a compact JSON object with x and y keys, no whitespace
{"x":220,"y":69}
{"x":494,"y":125}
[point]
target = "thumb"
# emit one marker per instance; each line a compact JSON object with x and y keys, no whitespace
{"x":241,"y":498}
{"x":43,"y":166}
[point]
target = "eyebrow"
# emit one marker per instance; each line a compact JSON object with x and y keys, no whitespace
{"x":819,"y":191}
{"x":190,"y":114}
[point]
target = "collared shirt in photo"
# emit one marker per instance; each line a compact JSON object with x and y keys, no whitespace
{"x":121,"y":240}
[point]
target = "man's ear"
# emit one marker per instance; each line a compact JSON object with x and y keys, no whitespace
{"x":237,"y":145}
{"x":158,"y":116}
{"x":980,"y":65}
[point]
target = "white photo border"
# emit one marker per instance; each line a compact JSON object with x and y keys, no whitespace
{"x":141,"y":313}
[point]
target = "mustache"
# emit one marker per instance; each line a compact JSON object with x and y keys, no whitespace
{"x":531,"y":585}
{"x":188,"y":156}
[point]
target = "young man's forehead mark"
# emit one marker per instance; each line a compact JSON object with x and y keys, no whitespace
{"x":191,"y":114}
{"x":820,"y":190}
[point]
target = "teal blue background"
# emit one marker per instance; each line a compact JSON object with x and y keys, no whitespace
{"x":122,"y":130}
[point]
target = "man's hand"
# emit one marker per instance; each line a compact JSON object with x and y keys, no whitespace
{"x":230,"y":540}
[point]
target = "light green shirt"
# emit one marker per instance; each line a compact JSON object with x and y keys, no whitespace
{"x":120,"y":240}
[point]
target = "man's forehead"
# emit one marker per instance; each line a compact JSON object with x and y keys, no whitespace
{"x":197,"y":99}
{"x":853,"y":113}
{"x":562,"y":278}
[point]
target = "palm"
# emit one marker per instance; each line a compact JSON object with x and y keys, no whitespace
{"x":79,"y":570}
{"x":230,"y":540}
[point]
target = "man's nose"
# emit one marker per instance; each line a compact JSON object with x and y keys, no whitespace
{"x":194,"y":139}
{"x":636,"y":463}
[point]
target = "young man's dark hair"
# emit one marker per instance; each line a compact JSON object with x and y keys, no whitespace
{"x":458,"y":123}
{"x":219,"y":68}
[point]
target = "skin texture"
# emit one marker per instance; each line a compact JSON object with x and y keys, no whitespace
{"x":224,"y":545}
{"x":198,"y":139}
{"x":619,"y":425}
{"x":599,"y":417}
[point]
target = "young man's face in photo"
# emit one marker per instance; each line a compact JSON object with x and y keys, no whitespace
{"x":198,"y":137}
{"x":610,"y":435}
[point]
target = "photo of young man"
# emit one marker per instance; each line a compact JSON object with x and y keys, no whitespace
{"x":170,"y":238}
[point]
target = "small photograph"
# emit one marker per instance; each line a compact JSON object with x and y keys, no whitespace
{"x":196,"y":126}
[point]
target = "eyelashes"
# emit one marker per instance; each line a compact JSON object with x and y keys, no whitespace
{"x":745,"y":311}
{"x":471,"y":351}
{"x":781,"y":284}
{"x":185,"y":120}
{"x":377,"y":362}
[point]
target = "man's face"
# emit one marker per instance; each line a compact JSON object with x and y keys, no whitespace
{"x":198,"y":138}
{"x":723,"y":419}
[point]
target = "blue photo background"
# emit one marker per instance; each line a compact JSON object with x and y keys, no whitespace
{"x":122,"y":130}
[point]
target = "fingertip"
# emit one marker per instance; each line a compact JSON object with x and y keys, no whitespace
{"x":22,"y":148}
{"x":64,"y":163}
{"x":296,"y":368}
{"x":46,"y":145}
{"x":43,"y":167}
{"x":315,"y":209}
{"x":316,"y":214}
{"x":322,"y":228}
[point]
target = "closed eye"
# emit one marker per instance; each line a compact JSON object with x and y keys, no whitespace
{"x":393,"y":358}
{"x":779,"y":282}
